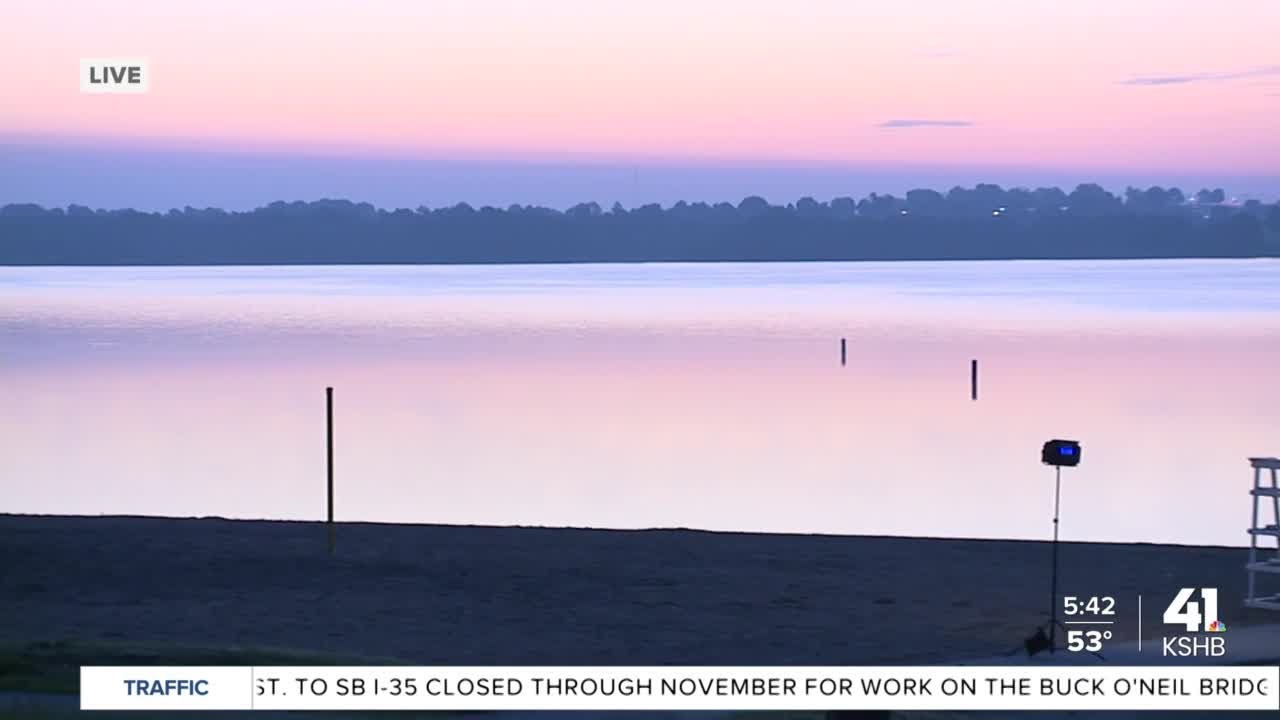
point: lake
(661, 395)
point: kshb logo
(1195, 616)
(114, 75)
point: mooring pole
(328, 402)
(973, 379)
(843, 352)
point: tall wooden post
(973, 379)
(328, 401)
(843, 352)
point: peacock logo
(1216, 626)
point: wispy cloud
(924, 123)
(939, 54)
(1202, 77)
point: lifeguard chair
(1264, 560)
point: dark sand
(481, 595)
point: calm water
(706, 396)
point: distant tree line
(983, 222)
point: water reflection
(704, 396)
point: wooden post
(843, 352)
(328, 401)
(973, 379)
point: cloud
(924, 123)
(1166, 80)
(1202, 77)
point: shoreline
(339, 524)
(624, 263)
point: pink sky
(1041, 83)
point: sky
(412, 102)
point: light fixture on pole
(1058, 454)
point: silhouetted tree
(1211, 197)
(963, 223)
(1154, 199)
(843, 208)
(1092, 199)
(880, 206)
(752, 206)
(926, 202)
(584, 210)
(807, 207)
(1050, 200)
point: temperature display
(1086, 640)
(1089, 621)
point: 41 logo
(1187, 612)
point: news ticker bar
(364, 688)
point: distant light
(903, 212)
(995, 213)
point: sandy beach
(490, 595)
